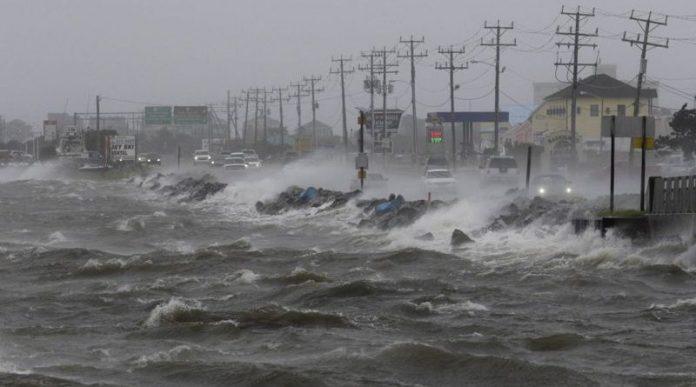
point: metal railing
(672, 195)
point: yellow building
(598, 95)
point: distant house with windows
(598, 95)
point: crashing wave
(176, 310)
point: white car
(501, 170)
(201, 157)
(253, 161)
(441, 181)
(235, 164)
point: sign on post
(637, 142)
(361, 161)
(123, 148)
(50, 130)
(158, 115)
(628, 126)
(190, 115)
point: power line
(313, 90)
(450, 53)
(647, 25)
(342, 71)
(499, 32)
(413, 55)
(576, 16)
(383, 68)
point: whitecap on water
(56, 237)
(688, 303)
(172, 310)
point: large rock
(297, 198)
(187, 190)
(459, 238)
(523, 211)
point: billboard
(158, 115)
(190, 115)
(123, 148)
(628, 126)
(393, 119)
(50, 130)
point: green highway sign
(190, 115)
(158, 115)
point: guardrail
(672, 195)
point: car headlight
(542, 190)
(569, 190)
(158, 159)
(148, 160)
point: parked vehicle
(550, 186)
(249, 152)
(201, 157)
(501, 170)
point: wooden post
(644, 122)
(529, 167)
(612, 170)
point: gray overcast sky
(190, 52)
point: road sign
(158, 115)
(361, 161)
(628, 126)
(123, 148)
(50, 129)
(435, 135)
(637, 142)
(190, 115)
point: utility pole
(298, 94)
(313, 90)
(229, 124)
(280, 110)
(265, 115)
(246, 117)
(342, 71)
(235, 120)
(99, 136)
(577, 16)
(647, 25)
(411, 53)
(450, 54)
(499, 32)
(256, 117)
(371, 84)
(383, 68)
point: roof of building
(602, 86)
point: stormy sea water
(112, 282)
